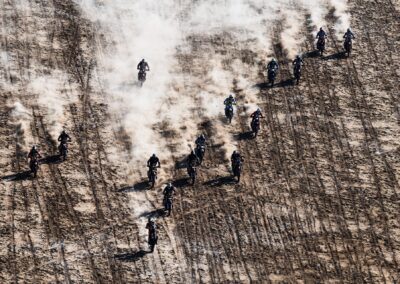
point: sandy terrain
(319, 197)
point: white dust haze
(163, 32)
(52, 98)
(22, 118)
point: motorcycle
(229, 113)
(141, 77)
(168, 204)
(192, 172)
(255, 125)
(271, 76)
(321, 46)
(237, 169)
(63, 150)
(297, 73)
(34, 166)
(348, 45)
(200, 151)
(153, 239)
(152, 175)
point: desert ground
(318, 201)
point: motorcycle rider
(152, 228)
(168, 192)
(256, 114)
(321, 35)
(192, 159)
(235, 159)
(298, 61)
(152, 162)
(229, 101)
(349, 35)
(33, 154)
(143, 66)
(201, 140)
(273, 65)
(63, 138)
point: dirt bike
(348, 45)
(192, 172)
(229, 113)
(63, 150)
(321, 46)
(141, 77)
(237, 169)
(255, 126)
(200, 151)
(271, 76)
(152, 175)
(297, 73)
(153, 239)
(168, 204)
(34, 166)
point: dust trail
(162, 31)
(342, 14)
(52, 98)
(22, 118)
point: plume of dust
(156, 30)
(52, 97)
(343, 22)
(22, 118)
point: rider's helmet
(154, 155)
(169, 184)
(63, 132)
(348, 30)
(320, 29)
(234, 152)
(202, 136)
(258, 111)
(297, 56)
(273, 59)
(230, 96)
(142, 59)
(33, 147)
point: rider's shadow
(243, 136)
(262, 86)
(153, 214)
(336, 56)
(140, 186)
(130, 257)
(220, 181)
(181, 164)
(311, 54)
(18, 176)
(54, 159)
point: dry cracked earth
(319, 197)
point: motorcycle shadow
(54, 159)
(244, 136)
(311, 54)
(182, 182)
(140, 186)
(153, 214)
(221, 181)
(281, 84)
(181, 164)
(336, 56)
(17, 177)
(130, 256)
